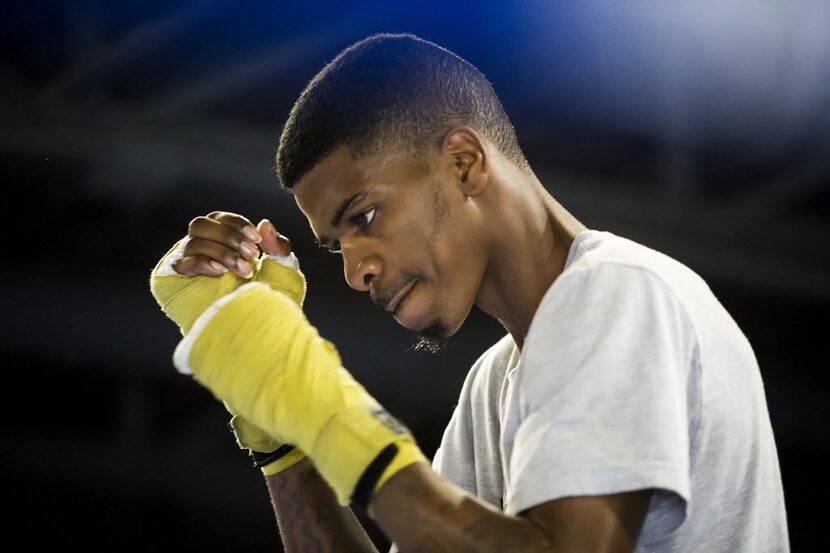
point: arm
(255, 350)
(185, 281)
(309, 517)
(424, 513)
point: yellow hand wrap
(255, 350)
(250, 436)
(184, 298)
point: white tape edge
(165, 267)
(289, 260)
(181, 357)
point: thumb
(273, 243)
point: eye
(364, 219)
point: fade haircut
(390, 91)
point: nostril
(367, 278)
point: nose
(360, 269)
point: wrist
(255, 350)
(291, 458)
(360, 449)
(269, 455)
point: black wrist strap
(261, 459)
(366, 485)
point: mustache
(383, 297)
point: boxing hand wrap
(255, 350)
(184, 298)
(269, 454)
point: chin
(439, 328)
(451, 325)
(426, 325)
(432, 338)
(428, 315)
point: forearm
(422, 512)
(309, 517)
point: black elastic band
(366, 485)
(262, 459)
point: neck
(528, 253)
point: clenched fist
(220, 253)
(224, 241)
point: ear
(468, 157)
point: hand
(224, 241)
(256, 351)
(184, 283)
(195, 272)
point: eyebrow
(338, 216)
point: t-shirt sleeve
(602, 393)
(469, 454)
(454, 459)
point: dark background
(698, 129)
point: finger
(273, 243)
(203, 251)
(238, 222)
(199, 265)
(205, 228)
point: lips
(400, 295)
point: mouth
(392, 306)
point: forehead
(339, 176)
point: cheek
(458, 269)
(456, 252)
(442, 247)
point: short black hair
(394, 89)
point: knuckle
(195, 223)
(180, 267)
(190, 246)
(240, 221)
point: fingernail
(218, 266)
(252, 235)
(248, 250)
(245, 268)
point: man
(624, 410)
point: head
(388, 151)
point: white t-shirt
(632, 376)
